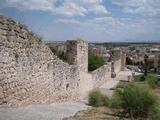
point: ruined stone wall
(101, 75)
(29, 72)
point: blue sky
(91, 20)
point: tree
(94, 61)
(60, 54)
(129, 61)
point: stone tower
(77, 54)
(123, 60)
(157, 54)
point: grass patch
(96, 99)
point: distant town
(134, 52)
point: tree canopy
(95, 61)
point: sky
(91, 20)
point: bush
(135, 100)
(116, 101)
(154, 114)
(151, 79)
(96, 99)
(94, 61)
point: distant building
(96, 51)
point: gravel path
(43, 112)
(110, 84)
(106, 88)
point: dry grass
(99, 113)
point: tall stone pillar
(77, 54)
(123, 61)
(117, 59)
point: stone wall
(30, 73)
(101, 75)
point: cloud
(70, 9)
(98, 9)
(44, 5)
(142, 21)
(110, 28)
(64, 7)
(147, 8)
(70, 21)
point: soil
(100, 113)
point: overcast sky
(92, 20)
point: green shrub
(96, 99)
(136, 100)
(116, 101)
(151, 79)
(154, 114)
(94, 61)
(139, 78)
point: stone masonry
(30, 73)
(157, 56)
(77, 54)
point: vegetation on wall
(95, 61)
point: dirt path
(43, 112)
